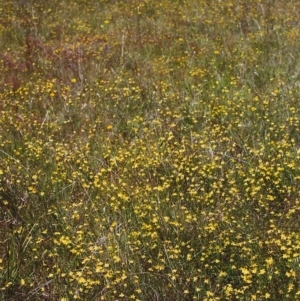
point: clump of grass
(149, 150)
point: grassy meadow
(149, 150)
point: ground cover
(149, 150)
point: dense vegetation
(149, 150)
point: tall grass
(149, 150)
